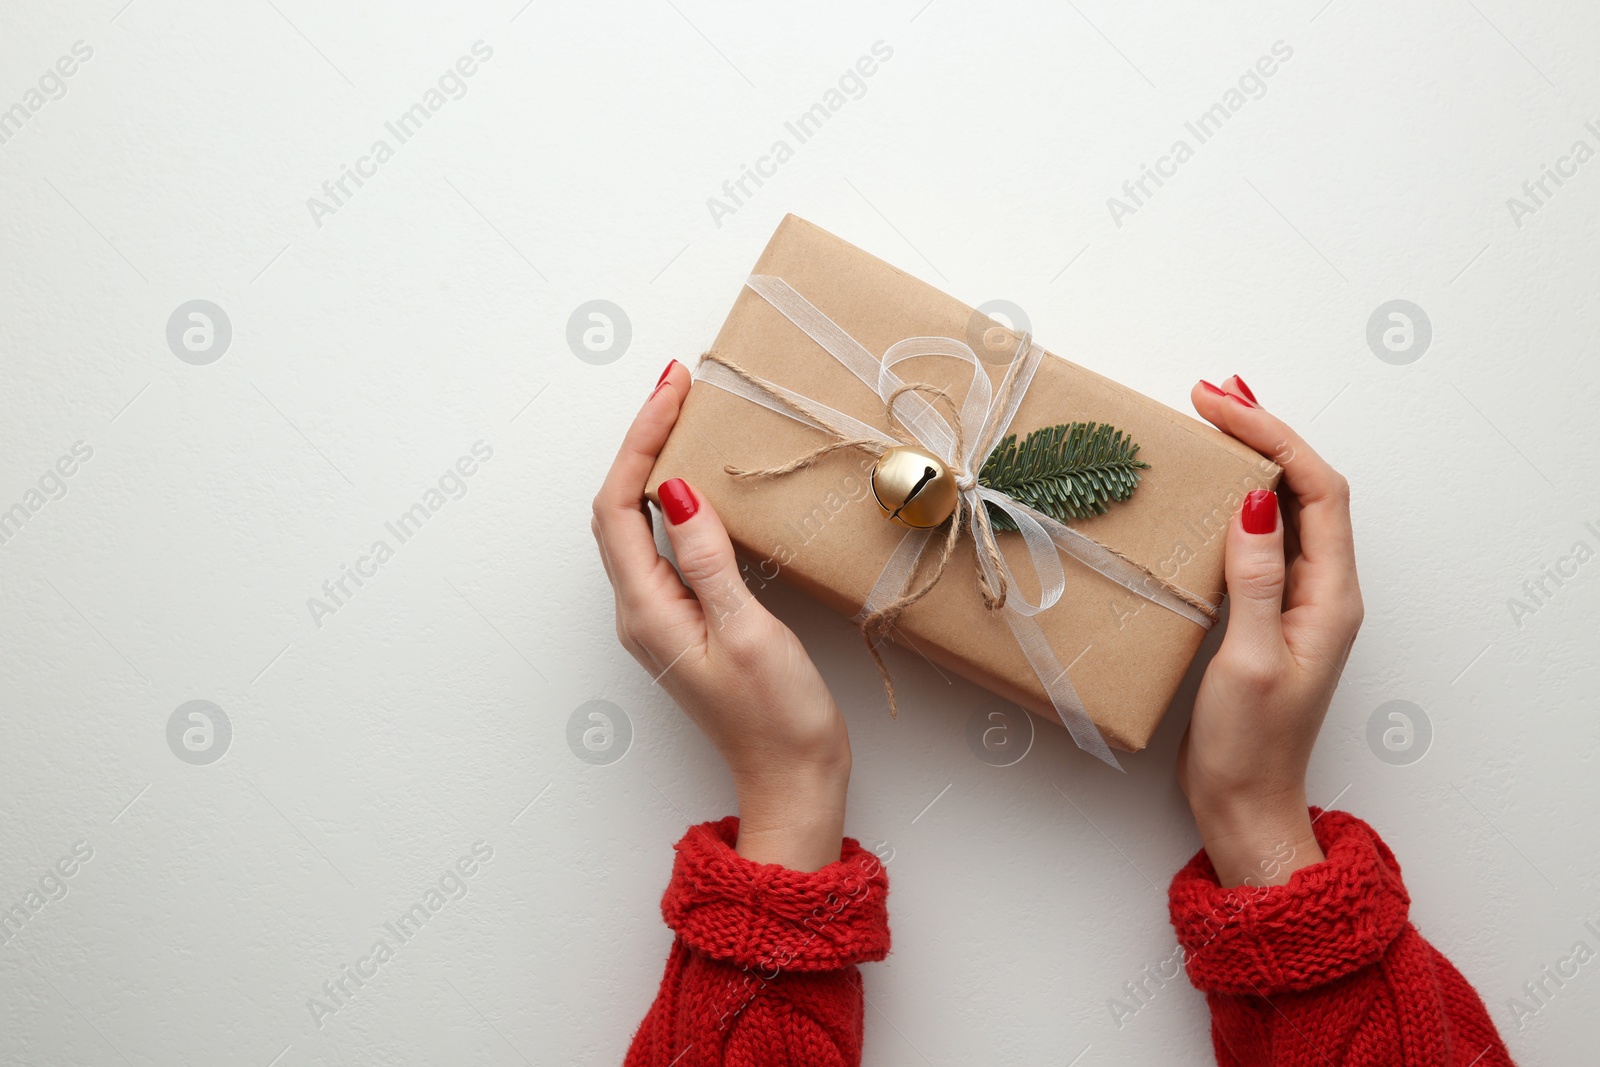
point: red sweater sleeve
(763, 968)
(1327, 971)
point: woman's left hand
(739, 673)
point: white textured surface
(424, 315)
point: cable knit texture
(1327, 971)
(763, 968)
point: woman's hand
(739, 673)
(1242, 763)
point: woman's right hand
(1292, 619)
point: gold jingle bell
(914, 487)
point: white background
(429, 312)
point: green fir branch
(1068, 471)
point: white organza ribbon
(1046, 539)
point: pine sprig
(1068, 471)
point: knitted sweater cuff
(1331, 919)
(768, 917)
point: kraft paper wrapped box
(820, 529)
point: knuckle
(1355, 611)
(627, 636)
(725, 603)
(1255, 672)
(739, 641)
(745, 642)
(636, 632)
(700, 563)
(1259, 581)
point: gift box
(821, 528)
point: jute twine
(876, 624)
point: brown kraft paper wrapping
(820, 529)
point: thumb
(1253, 564)
(705, 554)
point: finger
(1322, 496)
(1290, 509)
(1254, 568)
(705, 555)
(620, 523)
(1235, 385)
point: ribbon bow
(963, 447)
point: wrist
(1258, 839)
(793, 815)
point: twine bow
(963, 445)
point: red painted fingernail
(1260, 512)
(661, 381)
(1242, 400)
(677, 500)
(1245, 389)
(1211, 388)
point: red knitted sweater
(1325, 971)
